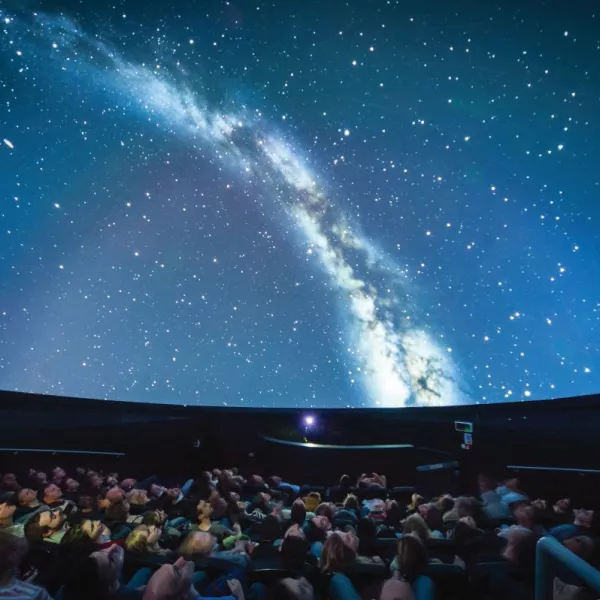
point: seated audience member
(410, 562)
(47, 526)
(88, 535)
(88, 507)
(98, 577)
(7, 512)
(372, 480)
(291, 588)
(53, 498)
(338, 553)
(581, 525)
(202, 545)
(9, 483)
(311, 501)
(94, 482)
(205, 511)
(39, 480)
(510, 486)
(270, 529)
(518, 582)
(58, 476)
(138, 501)
(326, 509)
(119, 521)
(366, 531)
(433, 518)
(463, 507)
(298, 512)
(337, 493)
(260, 506)
(416, 525)
(316, 529)
(28, 503)
(492, 505)
(294, 552)
(562, 511)
(115, 494)
(581, 545)
(175, 582)
(415, 501)
(12, 552)
(143, 541)
(127, 485)
(71, 489)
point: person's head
(298, 512)
(393, 512)
(170, 582)
(345, 482)
(581, 545)
(445, 503)
(137, 497)
(562, 506)
(464, 506)
(40, 478)
(127, 484)
(291, 588)
(270, 529)
(583, 517)
(416, 525)
(9, 482)
(411, 557)
(197, 544)
(294, 550)
(52, 493)
(261, 499)
(7, 510)
(415, 501)
(219, 508)
(326, 509)
(463, 531)
(72, 485)
(115, 494)
(525, 515)
(351, 502)
(27, 497)
(157, 490)
(94, 480)
(337, 554)
(58, 473)
(44, 524)
(204, 510)
(12, 551)
(117, 512)
(86, 503)
(366, 529)
(520, 549)
(143, 539)
(312, 500)
(256, 480)
(86, 533)
(154, 517)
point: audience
(152, 536)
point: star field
(309, 204)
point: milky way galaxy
(175, 234)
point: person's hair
(411, 557)
(393, 513)
(521, 550)
(366, 529)
(270, 529)
(77, 541)
(196, 544)
(462, 533)
(298, 513)
(345, 482)
(416, 524)
(293, 551)
(83, 581)
(34, 532)
(12, 550)
(137, 540)
(351, 502)
(415, 501)
(434, 518)
(153, 517)
(133, 497)
(116, 512)
(445, 503)
(326, 509)
(314, 533)
(337, 555)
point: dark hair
(280, 591)
(411, 557)
(76, 542)
(325, 509)
(298, 513)
(463, 533)
(337, 555)
(293, 552)
(270, 529)
(314, 533)
(34, 532)
(84, 581)
(116, 512)
(345, 482)
(151, 517)
(351, 502)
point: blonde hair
(135, 496)
(416, 525)
(337, 554)
(199, 543)
(138, 541)
(415, 502)
(312, 500)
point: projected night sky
(300, 204)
